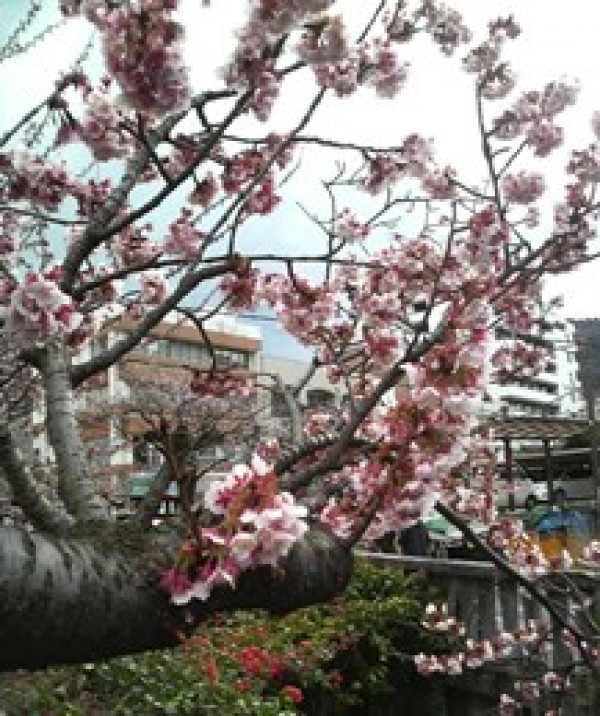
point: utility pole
(587, 338)
(591, 413)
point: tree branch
(75, 484)
(25, 494)
(530, 587)
(152, 499)
(82, 371)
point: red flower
(253, 660)
(335, 679)
(211, 670)
(241, 685)
(293, 693)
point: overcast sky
(559, 39)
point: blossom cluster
(133, 246)
(257, 526)
(183, 238)
(101, 127)
(433, 412)
(141, 49)
(349, 228)
(46, 184)
(475, 654)
(495, 78)
(253, 62)
(36, 308)
(414, 159)
(518, 359)
(243, 169)
(534, 115)
(43, 183)
(220, 384)
(323, 44)
(524, 187)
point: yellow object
(553, 543)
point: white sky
(559, 39)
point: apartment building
(556, 390)
(587, 337)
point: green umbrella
(438, 523)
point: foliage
(397, 288)
(330, 659)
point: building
(318, 394)
(122, 449)
(555, 391)
(587, 338)
(118, 447)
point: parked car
(527, 493)
(573, 486)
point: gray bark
(77, 600)
(23, 487)
(75, 485)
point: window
(191, 352)
(145, 454)
(231, 358)
(279, 408)
(319, 398)
(153, 348)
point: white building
(555, 391)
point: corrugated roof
(536, 428)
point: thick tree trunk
(75, 600)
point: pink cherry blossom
(153, 288)
(544, 137)
(39, 310)
(262, 525)
(205, 191)
(141, 50)
(184, 239)
(524, 187)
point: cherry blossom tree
(397, 299)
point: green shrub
(353, 655)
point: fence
(489, 601)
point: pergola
(543, 429)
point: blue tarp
(562, 520)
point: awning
(526, 428)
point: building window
(279, 408)
(319, 398)
(145, 455)
(188, 352)
(231, 358)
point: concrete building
(318, 392)
(555, 391)
(124, 456)
(587, 337)
(173, 350)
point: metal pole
(548, 466)
(508, 459)
(591, 411)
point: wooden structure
(488, 601)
